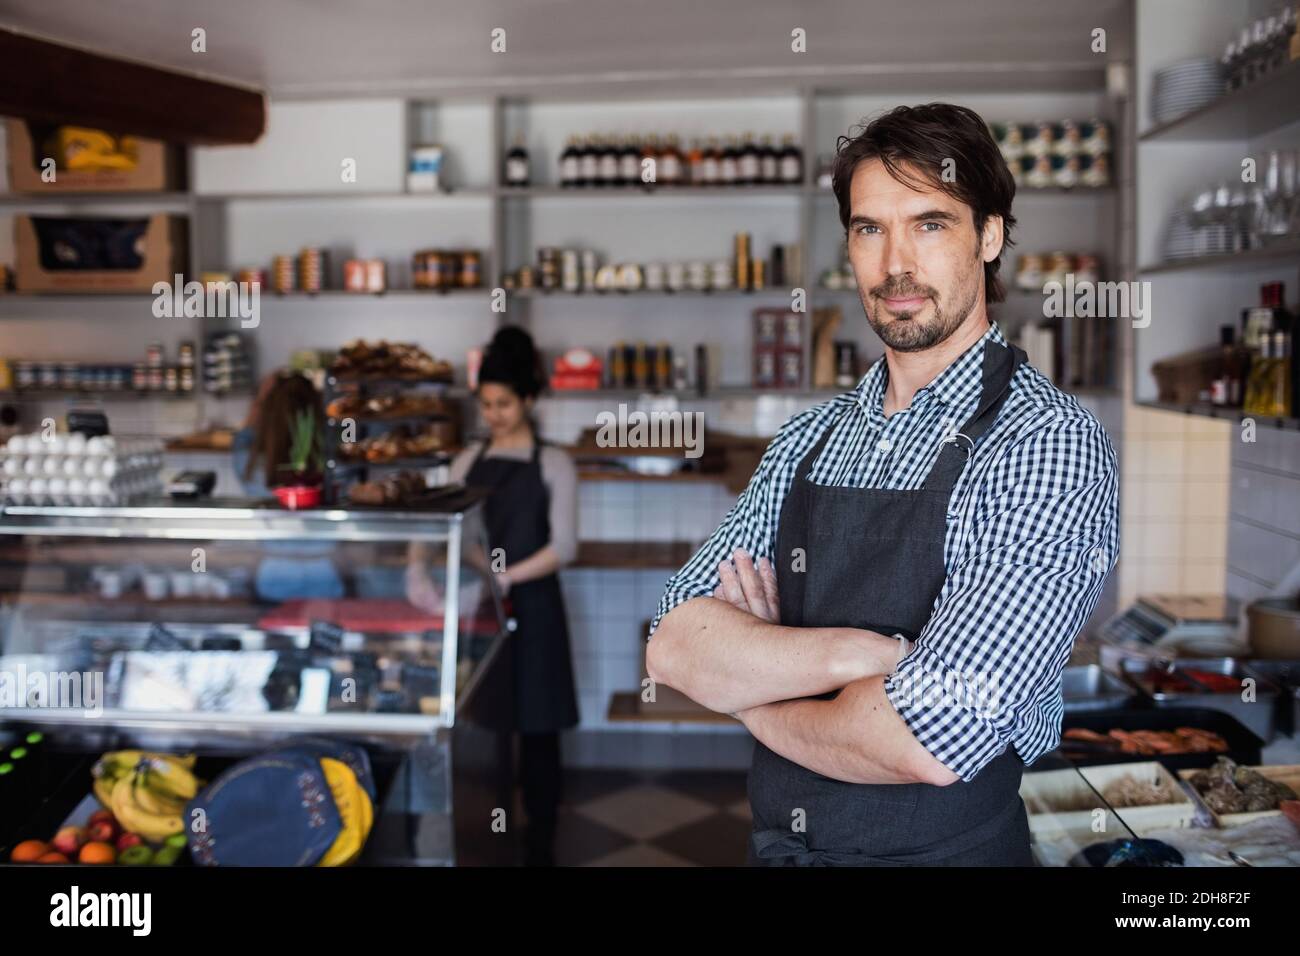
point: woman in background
(531, 516)
(260, 453)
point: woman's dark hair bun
(512, 359)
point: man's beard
(904, 332)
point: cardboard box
(158, 167)
(162, 247)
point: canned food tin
(354, 275)
(284, 273)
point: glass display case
(225, 628)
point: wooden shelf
(670, 706)
(1260, 108)
(40, 201)
(471, 192)
(633, 555)
(1206, 410)
(1255, 258)
(652, 192)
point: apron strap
(1000, 363)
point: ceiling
(317, 48)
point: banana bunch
(146, 791)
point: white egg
(56, 444)
(76, 487)
(32, 467)
(36, 489)
(13, 465)
(57, 488)
(90, 466)
(52, 465)
(76, 444)
(109, 467)
(71, 466)
(95, 445)
(34, 445)
(16, 488)
(17, 444)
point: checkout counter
(150, 614)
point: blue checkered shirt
(1032, 533)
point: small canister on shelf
(285, 276)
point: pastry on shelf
(383, 359)
(402, 442)
(388, 406)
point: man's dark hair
(922, 138)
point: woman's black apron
(874, 558)
(518, 521)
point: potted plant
(302, 485)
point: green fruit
(137, 855)
(176, 839)
(168, 855)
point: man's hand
(750, 588)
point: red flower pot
(298, 496)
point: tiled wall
(1174, 504)
(1264, 515)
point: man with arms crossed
(929, 544)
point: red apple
(102, 815)
(69, 840)
(128, 839)
(101, 832)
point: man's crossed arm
(727, 653)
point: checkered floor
(674, 818)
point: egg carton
(75, 470)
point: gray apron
(874, 559)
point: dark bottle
(694, 172)
(629, 163)
(768, 171)
(710, 162)
(791, 161)
(668, 168)
(569, 169)
(609, 156)
(516, 166)
(588, 163)
(748, 170)
(727, 171)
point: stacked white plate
(1184, 87)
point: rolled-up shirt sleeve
(987, 666)
(751, 522)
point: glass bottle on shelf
(693, 174)
(747, 164)
(588, 163)
(709, 164)
(728, 173)
(670, 163)
(629, 162)
(609, 155)
(1283, 400)
(516, 166)
(768, 171)
(791, 161)
(569, 170)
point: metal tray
(1256, 715)
(1243, 744)
(1089, 687)
(1286, 675)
